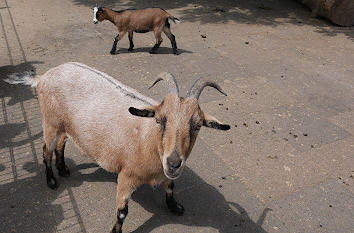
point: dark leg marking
(131, 44)
(63, 170)
(114, 46)
(174, 44)
(121, 215)
(170, 36)
(155, 48)
(172, 204)
(47, 160)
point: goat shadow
(250, 12)
(204, 206)
(32, 207)
(161, 50)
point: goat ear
(212, 122)
(142, 112)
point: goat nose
(174, 161)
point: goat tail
(175, 20)
(26, 78)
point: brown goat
(145, 141)
(140, 21)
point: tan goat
(125, 132)
(140, 21)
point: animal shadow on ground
(204, 206)
(161, 50)
(28, 205)
(253, 12)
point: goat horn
(198, 86)
(171, 82)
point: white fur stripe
(119, 86)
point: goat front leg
(114, 46)
(116, 39)
(172, 204)
(125, 188)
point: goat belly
(143, 31)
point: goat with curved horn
(171, 82)
(198, 86)
(145, 141)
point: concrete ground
(286, 165)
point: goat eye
(197, 127)
(158, 121)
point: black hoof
(112, 52)
(153, 52)
(114, 230)
(177, 209)
(52, 183)
(130, 49)
(64, 171)
(175, 53)
(174, 206)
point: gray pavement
(286, 165)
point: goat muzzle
(173, 166)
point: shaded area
(9, 131)
(205, 207)
(33, 207)
(18, 93)
(28, 205)
(161, 50)
(264, 12)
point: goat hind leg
(172, 204)
(131, 44)
(47, 160)
(50, 137)
(63, 170)
(172, 38)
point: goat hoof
(179, 209)
(130, 49)
(114, 230)
(52, 183)
(152, 52)
(112, 52)
(64, 171)
(176, 208)
(175, 53)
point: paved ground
(287, 164)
